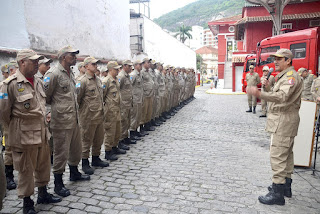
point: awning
(284, 17)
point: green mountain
(200, 13)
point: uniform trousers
(135, 116)
(66, 148)
(33, 166)
(91, 136)
(154, 107)
(147, 109)
(125, 122)
(281, 158)
(263, 107)
(252, 100)
(111, 134)
(7, 153)
(3, 185)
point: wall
(255, 32)
(161, 46)
(97, 27)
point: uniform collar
(279, 75)
(22, 78)
(89, 76)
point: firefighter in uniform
(82, 70)
(315, 90)
(307, 79)
(112, 117)
(252, 79)
(137, 99)
(59, 86)
(22, 112)
(162, 90)
(126, 105)
(284, 101)
(89, 98)
(11, 69)
(148, 96)
(265, 71)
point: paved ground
(212, 157)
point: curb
(232, 93)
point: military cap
(137, 62)
(12, 63)
(127, 62)
(166, 67)
(4, 68)
(146, 59)
(45, 60)
(89, 60)
(28, 54)
(113, 64)
(265, 68)
(301, 70)
(80, 65)
(283, 53)
(67, 49)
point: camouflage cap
(103, 69)
(67, 49)
(45, 60)
(153, 62)
(89, 60)
(127, 62)
(283, 53)
(166, 67)
(28, 54)
(12, 63)
(80, 65)
(113, 64)
(137, 62)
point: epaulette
(81, 77)
(10, 78)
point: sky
(160, 7)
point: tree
(199, 61)
(184, 33)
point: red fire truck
(304, 44)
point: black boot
(166, 115)
(250, 109)
(154, 123)
(157, 121)
(161, 118)
(59, 187)
(118, 151)
(138, 134)
(96, 161)
(254, 110)
(45, 198)
(123, 146)
(148, 127)
(28, 206)
(263, 115)
(275, 196)
(287, 188)
(143, 131)
(109, 155)
(75, 175)
(129, 141)
(86, 167)
(133, 136)
(9, 177)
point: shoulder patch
(119, 80)
(291, 80)
(104, 86)
(131, 77)
(289, 73)
(3, 96)
(46, 79)
(78, 85)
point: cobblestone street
(211, 157)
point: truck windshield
(265, 54)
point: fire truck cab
(304, 44)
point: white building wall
(97, 27)
(161, 46)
